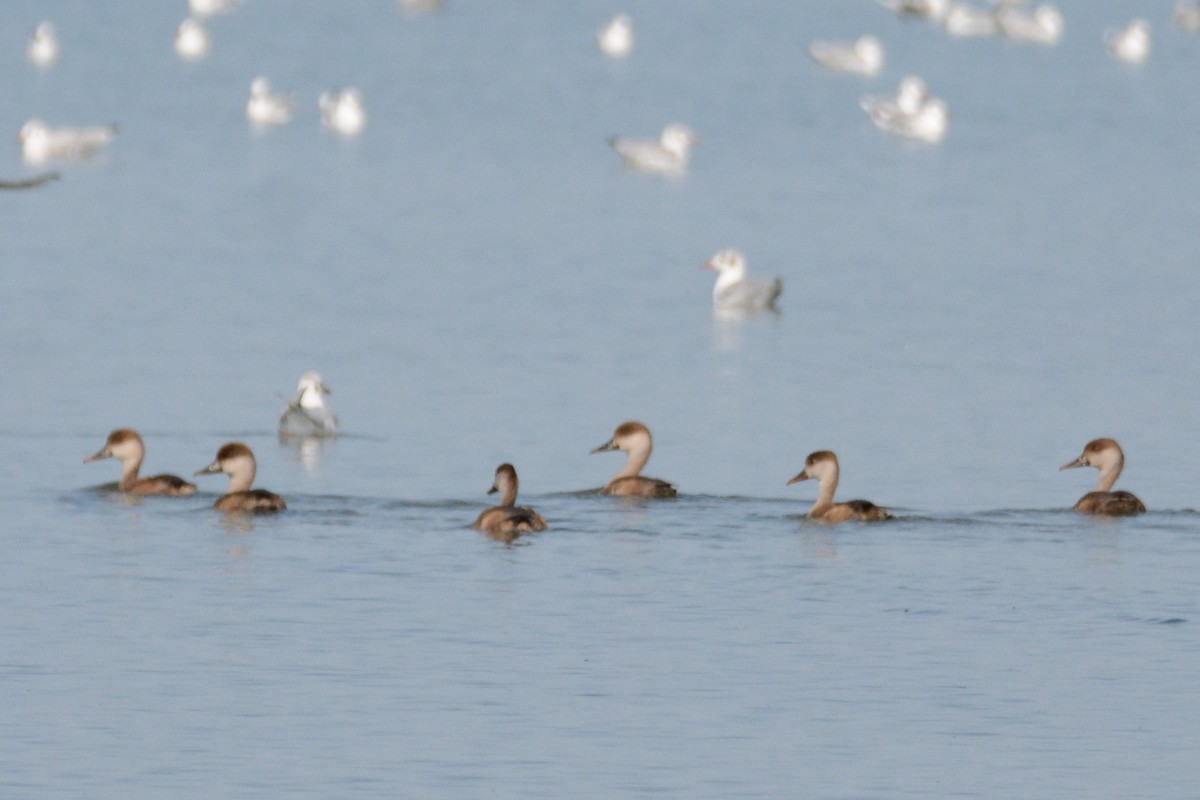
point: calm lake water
(480, 281)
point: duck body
(635, 439)
(126, 445)
(508, 520)
(237, 461)
(1107, 456)
(823, 467)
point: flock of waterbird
(307, 415)
(911, 113)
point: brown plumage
(823, 466)
(237, 461)
(507, 521)
(126, 445)
(635, 439)
(1107, 456)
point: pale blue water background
(480, 281)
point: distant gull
(912, 114)
(1131, 44)
(264, 108)
(616, 38)
(306, 414)
(967, 21)
(1044, 25)
(209, 8)
(668, 154)
(863, 56)
(40, 142)
(43, 46)
(192, 41)
(342, 111)
(734, 291)
(1187, 16)
(932, 10)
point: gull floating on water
(1131, 44)
(40, 142)
(209, 8)
(192, 41)
(342, 111)
(43, 46)
(264, 108)
(668, 154)
(863, 56)
(733, 291)
(307, 414)
(1187, 16)
(932, 10)
(616, 38)
(967, 21)
(1044, 25)
(912, 114)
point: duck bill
(803, 476)
(1079, 462)
(611, 444)
(103, 452)
(209, 470)
(493, 490)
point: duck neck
(638, 456)
(508, 495)
(1109, 475)
(241, 478)
(827, 486)
(129, 471)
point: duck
(667, 155)
(635, 439)
(733, 290)
(126, 445)
(508, 520)
(1107, 456)
(342, 111)
(1132, 43)
(264, 108)
(237, 461)
(40, 142)
(1044, 25)
(913, 114)
(43, 46)
(863, 56)
(307, 414)
(615, 39)
(192, 41)
(822, 466)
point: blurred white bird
(43, 46)
(264, 108)
(1044, 25)
(342, 111)
(734, 291)
(863, 56)
(964, 21)
(668, 154)
(40, 142)
(1187, 16)
(306, 414)
(932, 10)
(192, 41)
(616, 38)
(911, 114)
(1131, 44)
(208, 8)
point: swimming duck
(237, 461)
(733, 290)
(823, 467)
(508, 520)
(863, 56)
(43, 46)
(667, 155)
(1105, 455)
(615, 39)
(1130, 44)
(342, 111)
(192, 41)
(264, 108)
(40, 142)
(126, 445)
(307, 414)
(635, 439)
